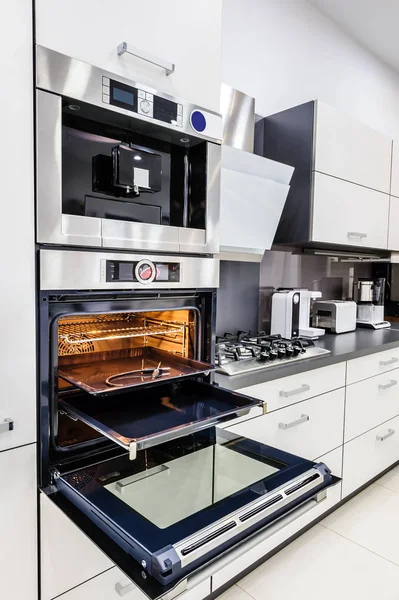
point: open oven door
(172, 515)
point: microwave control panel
(143, 271)
(141, 102)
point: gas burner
(245, 351)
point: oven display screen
(125, 271)
(123, 96)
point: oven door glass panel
(183, 502)
(141, 418)
(119, 168)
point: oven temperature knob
(145, 107)
(145, 271)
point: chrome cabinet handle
(123, 590)
(357, 234)
(391, 361)
(386, 386)
(303, 419)
(382, 438)
(154, 60)
(6, 425)
(303, 388)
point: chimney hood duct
(253, 189)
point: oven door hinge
(54, 476)
(264, 408)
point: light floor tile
(323, 564)
(371, 520)
(234, 593)
(390, 480)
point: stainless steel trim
(302, 419)
(82, 270)
(387, 363)
(238, 118)
(304, 388)
(6, 425)
(386, 386)
(154, 60)
(249, 522)
(76, 79)
(355, 234)
(382, 438)
(123, 590)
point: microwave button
(141, 94)
(149, 97)
(180, 121)
(179, 109)
(106, 81)
(106, 98)
(145, 107)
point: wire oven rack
(80, 333)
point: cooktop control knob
(145, 107)
(145, 271)
(198, 121)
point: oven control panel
(141, 102)
(143, 271)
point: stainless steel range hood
(253, 190)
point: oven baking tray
(145, 417)
(92, 376)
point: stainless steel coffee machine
(369, 295)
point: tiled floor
(352, 555)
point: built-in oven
(131, 424)
(121, 165)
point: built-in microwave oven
(121, 165)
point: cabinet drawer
(371, 402)
(81, 559)
(369, 454)
(308, 429)
(349, 214)
(113, 584)
(286, 391)
(351, 150)
(374, 364)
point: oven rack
(79, 333)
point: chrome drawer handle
(356, 234)
(303, 388)
(123, 590)
(150, 58)
(391, 361)
(303, 419)
(382, 438)
(386, 386)
(6, 425)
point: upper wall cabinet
(341, 184)
(161, 31)
(395, 169)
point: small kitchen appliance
(338, 316)
(370, 296)
(291, 314)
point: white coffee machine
(370, 295)
(291, 314)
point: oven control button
(198, 121)
(145, 271)
(145, 107)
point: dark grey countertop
(344, 346)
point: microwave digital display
(123, 95)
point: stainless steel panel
(52, 226)
(238, 118)
(139, 236)
(75, 79)
(80, 270)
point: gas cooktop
(243, 352)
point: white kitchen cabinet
(18, 531)
(393, 228)
(369, 454)
(349, 214)
(295, 388)
(113, 584)
(17, 265)
(60, 537)
(371, 402)
(373, 364)
(308, 429)
(395, 169)
(187, 35)
(349, 149)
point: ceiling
(372, 23)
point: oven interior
(99, 344)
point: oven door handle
(6, 425)
(150, 58)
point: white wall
(285, 52)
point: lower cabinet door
(18, 530)
(369, 454)
(60, 537)
(113, 585)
